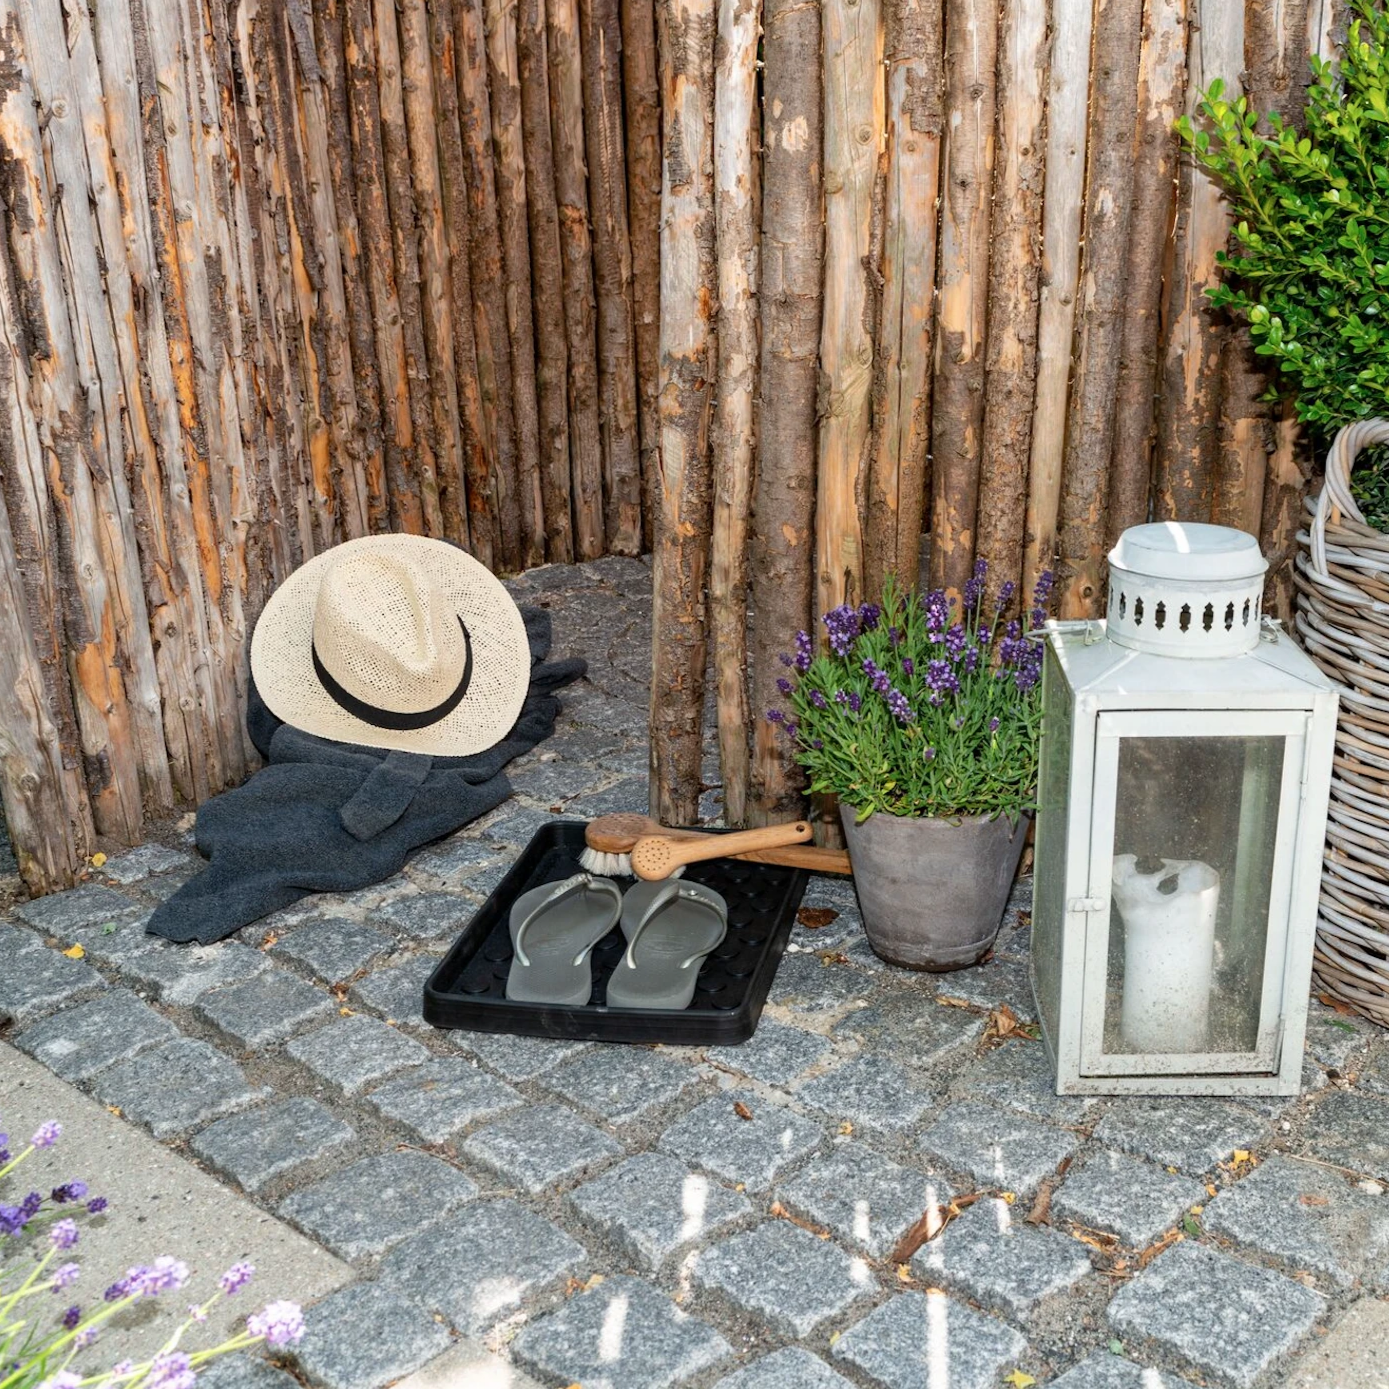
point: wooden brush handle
(656, 857)
(807, 856)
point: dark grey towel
(333, 817)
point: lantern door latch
(1087, 904)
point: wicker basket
(1343, 622)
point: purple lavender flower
(785, 660)
(842, 625)
(47, 1134)
(941, 677)
(993, 725)
(69, 1191)
(1045, 582)
(818, 700)
(850, 699)
(86, 1337)
(171, 1370)
(1005, 595)
(792, 731)
(11, 1220)
(818, 744)
(281, 1323)
(937, 608)
(971, 660)
(869, 616)
(64, 1379)
(908, 667)
(956, 640)
(974, 586)
(122, 1367)
(65, 1276)
(236, 1277)
(784, 685)
(877, 677)
(894, 635)
(804, 652)
(897, 705)
(30, 1206)
(4, 1151)
(775, 716)
(64, 1234)
(96, 1205)
(196, 1313)
(71, 1317)
(119, 1289)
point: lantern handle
(1335, 493)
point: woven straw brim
(282, 655)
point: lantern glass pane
(1196, 825)
(1049, 892)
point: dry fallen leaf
(832, 957)
(1330, 1001)
(780, 1211)
(1153, 1250)
(1240, 1155)
(1019, 1380)
(741, 1110)
(813, 918)
(1040, 1213)
(97, 860)
(271, 939)
(950, 1002)
(1310, 1198)
(75, 953)
(846, 1128)
(904, 1273)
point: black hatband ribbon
(389, 718)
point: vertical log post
(782, 554)
(957, 416)
(735, 214)
(688, 296)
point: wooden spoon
(657, 856)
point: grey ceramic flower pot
(933, 891)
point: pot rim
(845, 809)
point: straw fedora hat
(394, 641)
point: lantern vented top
(1185, 589)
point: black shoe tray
(468, 987)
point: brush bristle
(612, 865)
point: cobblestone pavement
(643, 1217)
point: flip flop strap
(580, 882)
(672, 892)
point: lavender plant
(920, 708)
(42, 1332)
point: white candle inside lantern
(1169, 952)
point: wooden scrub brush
(612, 839)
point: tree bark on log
(601, 34)
(1189, 406)
(1099, 334)
(734, 440)
(547, 281)
(688, 364)
(1063, 201)
(1161, 88)
(957, 416)
(571, 193)
(479, 447)
(1011, 355)
(903, 359)
(641, 93)
(853, 124)
(782, 553)
(491, 334)
(504, 78)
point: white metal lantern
(1185, 766)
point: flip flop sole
(683, 929)
(554, 940)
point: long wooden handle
(655, 857)
(807, 856)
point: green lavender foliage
(1308, 268)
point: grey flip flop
(553, 929)
(670, 928)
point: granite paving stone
(792, 1368)
(928, 1340)
(366, 1336)
(34, 979)
(755, 1151)
(554, 783)
(1336, 1042)
(352, 1053)
(1192, 1135)
(805, 984)
(266, 1008)
(623, 1334)
(182, 974)
(1125, 1196)
(61, 913)
(997, 1147)
(175, 1087)
(443, 1097)
(368, 1207)
(119, 942)
(1306, 1215)
(784, 1276)
(425, 915)
(989, 985)
(620, 1083)
(1351, 1130)
(477, 1268)
(335, 949)
(1104, 1370)
(396, 991)
(245, 1371)
(775, 1054)
(518, 1058)
(257, 1147)
(1018, 1075)
(1221, 1315)
(862, 1199)
(999, 1261)
(912, 1026)
(80, 1041)
(452, 860)
(513, 826)
(628, 797)
(135, 865)
(539, 1146)
(652, 1207)
(871, 1091)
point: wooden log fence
(793, 297)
